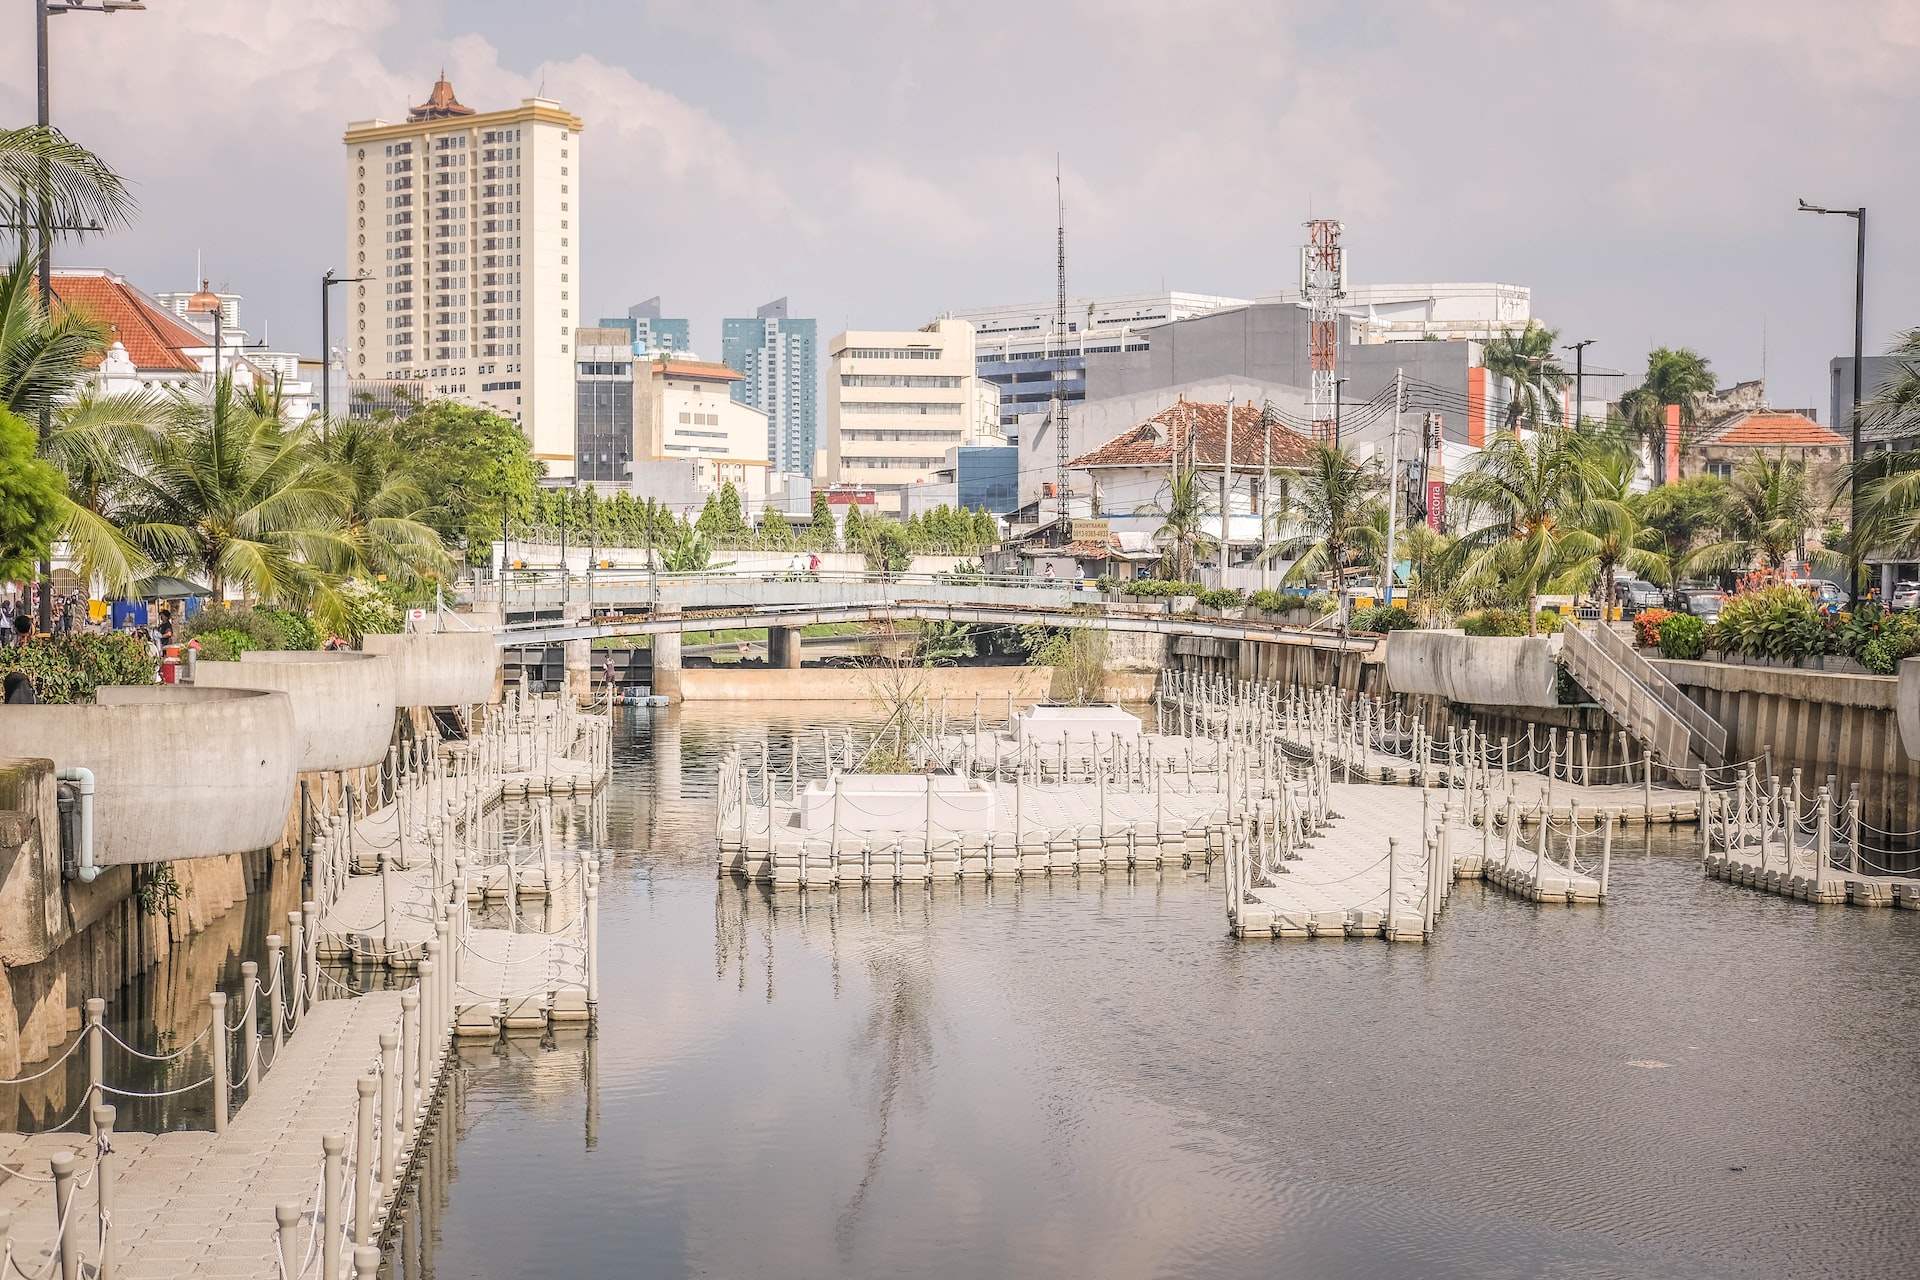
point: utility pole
(1859, 217)
(1063, 454)
(1266, 484)
(1226, 499)
(1579, 350)
(1337, 384)
(1393, 478)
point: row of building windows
(904, 406)
(603, 368)
(912, 437)
(701, 419)
(887, 353)
(889, 464)
(500, 386)
(899, 380)
(705, 435)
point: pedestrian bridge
(604, 605)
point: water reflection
(1085, 1076)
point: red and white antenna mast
(1323, 282)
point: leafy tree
(1331, 509)
(1889, 479)
(32, 498)
(82, 190)
(43, 359)
(775, 533)
(1766, 512)
(382, 504)
(1683, 513)
(1532, 486)
(472, 466)
(238, 498)
(1528, 360)
(1184, 504)
(823, 536)
(1608, 514)
(941, 644)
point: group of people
(16, 617)
(804, 565)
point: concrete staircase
(1651, 706)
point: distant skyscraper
(461, 224)
(649, 334)
(777, 360)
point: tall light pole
(1579, 350)
(327, 282)
(42, 10)
(1859, 217)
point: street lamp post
(1859, 217)
(327, 282)
(42, 10)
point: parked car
(1633, 595)
(1702, 604)
(1906, 595)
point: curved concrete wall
(178, 772)
(439, 668)
(1497, 671)
(1909, 706)
(342, 702)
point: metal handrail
(1628, 700)
(1712, 733)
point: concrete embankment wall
(1818, 721)
(1284, 660)
(64, 941)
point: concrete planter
(1501, 671)
(178, 772)
(440, 668)
(1908, 706)
(342, 702)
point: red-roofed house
(147, 343)
(684, 409)
(1132, 472)
(1721, 448)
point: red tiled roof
(1771, 430)
(699, 369)
(154, 337)
(1151, 444)
(440, 104)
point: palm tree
(1183, 506)
(1766, 513)
(238, 497)
(1675, 376)
(1332, 512)
(1610, 514)
(94, 441)
(382, 505)
(1889, 479)
(80, 189)
(43, 360)
(1533, 486)
(1527, 360)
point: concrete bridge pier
(666, 656)
(579, 657)
(783, 648)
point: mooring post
(366, 1088)
(296, 968)
(69, 1237)
(1823, 842)
(217, 1002)
(250, 1030)
(1512, 824)
(1606, 850)
(310, 915)
(389, 1109)
(1393, 886)
(428, 1019)
(332, 1198)
(286, 1216)
(593, 946)
(276, 968)
(103, 1117)
(96, 1054)
(409, 1062)
(366, 1262)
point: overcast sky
(1636, 162)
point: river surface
(1088, 1077)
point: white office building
(467, 226)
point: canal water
(1088, 1077)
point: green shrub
(1269, 601)
(1682, 636)
(1382, 618)
(1495, 622)
(296, 629)
(68, 668)
(1552, 622)
(370, 611)
(1880, 640)
(1775, 622)
(1221, 597)
(1160, 587)
(227, 631)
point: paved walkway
(200, 1204)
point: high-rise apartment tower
(777, 357)
(467, 226)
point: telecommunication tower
(1062, 452)
(1323, 282)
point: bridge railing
(551, 588)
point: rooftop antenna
(1062, 453)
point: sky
(1635, 162)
